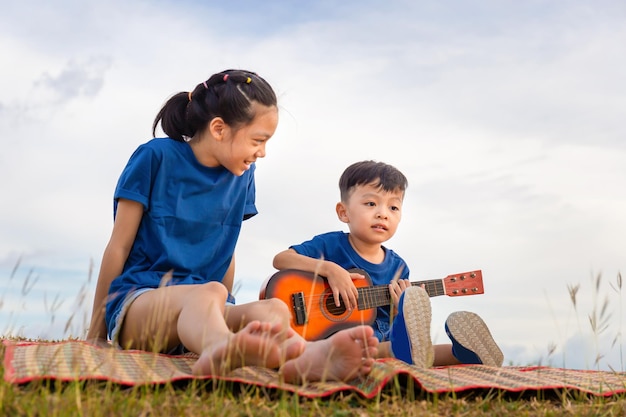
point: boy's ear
(342, 213)
(217, 127)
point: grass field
(226, 399)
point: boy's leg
(193, 315)
(384, 350)
(472, 342)
(410, 332)
(444, 356)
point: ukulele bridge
(299, 309)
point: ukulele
(311, 303)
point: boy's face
(371, 213)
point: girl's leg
(273, 311)
(345, 355)
(193, 315)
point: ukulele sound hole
(330, 310)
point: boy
(371, 205)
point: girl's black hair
(384, 176)
(228, 94)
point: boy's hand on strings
(396, 287)
(340, 282)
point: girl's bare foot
(256, 344)
(343, 356)
(293, 346)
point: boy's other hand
(396, 288)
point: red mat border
(267, 378)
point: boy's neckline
(376, 259)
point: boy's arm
(125, 228)
(339, 280)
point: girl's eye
(394, 208)
(370, 204)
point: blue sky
(506, 117)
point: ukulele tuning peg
(462, 277)
(455, 292)
(472, 275)
(464, 290)
(475, 289)
(453, 279)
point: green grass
(195, 398)
(203, 398)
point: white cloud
(506, 118)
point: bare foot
(293, 346)
(343, 356)
(256, 344)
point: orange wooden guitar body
(312, 306)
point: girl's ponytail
(229, 94)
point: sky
(506, 117)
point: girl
(168, 269)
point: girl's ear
(342, 213)
(217, 128)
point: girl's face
(372, 214)
(240, 148)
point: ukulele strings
(369, 297)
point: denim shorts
(114, 326)
(381, 330)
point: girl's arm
(339, 280)
(125, 228)
(229, 277)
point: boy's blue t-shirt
(191, 221)
(335, 247)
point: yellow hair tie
(248, 80)
(189, 95)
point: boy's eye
(395, 208)
(370, 203)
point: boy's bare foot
(257, 343)
(343, 356)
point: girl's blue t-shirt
(191, 221)
(335, 247)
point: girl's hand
(340, 282)
(396, 288)
(100, 342)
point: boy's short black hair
(382, 175)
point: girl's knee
(277, 307)
(213, 290)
